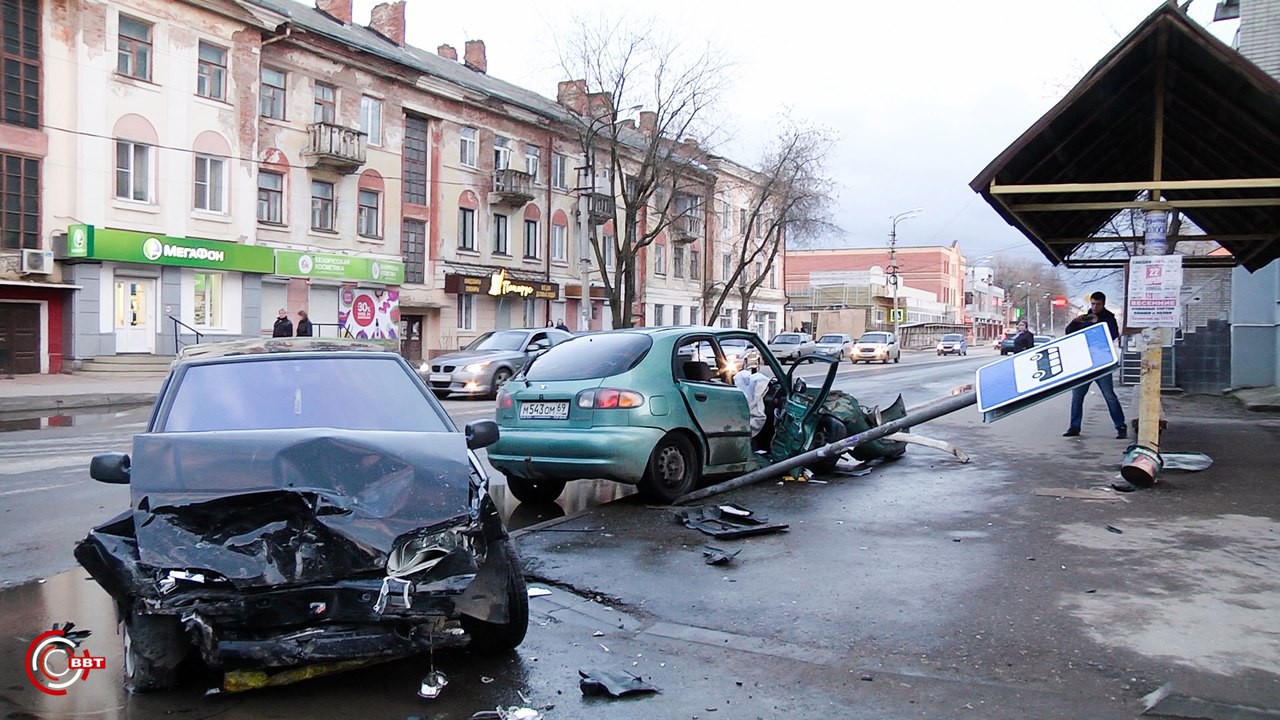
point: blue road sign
(1019, 381)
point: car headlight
(476, 367)
(424, 367)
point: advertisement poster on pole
(1155, 290)
(370, 315)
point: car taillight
(609, 399)
(505, 401)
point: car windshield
(499, 340)
(590, 356)
(952, 338)
(360, 393)
(876, 337)
(788, 339)
(734, 345)
(831, 339)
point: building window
(467, 146)
(466, 311)
(677, 261)
(695, 266)
(742, 221)
(726, 216)
(19, 202)
(726, 266)
(371, 119)
(207, 305)
(211, 72)
(133, 171)
(773, 276)
(559, 242)
(532, 159)
(367, 214)
(416, 142)
(501, 244)
(531, 239)
(659, 259)
(271, 96)
(210, 194)
(659, 312)
(501, 153)
(530, 312)
(324, 106)
(726, 318)
(321, 205)
(759, 271)
(559, 171)
(133, 48)
(677, 314)
(413, 246)
(693, 315)
(270, 197)
(466, 229)
(607, 242)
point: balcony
(688, 228)
(512, 187)
(600, 207)
(335, 147)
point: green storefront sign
(292, 263)
(86, 242)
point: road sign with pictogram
(1019, 381)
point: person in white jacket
(754, 385)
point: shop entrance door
(19, 338)
(135, 315)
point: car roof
(204, 352)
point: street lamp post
(893, 262)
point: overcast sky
(922, 93)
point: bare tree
(657, 168)
(789, 200)
(1031, 285)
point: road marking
(37, 489)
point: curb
(73, 402)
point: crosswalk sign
(1026, 378)
(898, 315)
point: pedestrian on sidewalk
(283, 326)
(1098, 312)
(304, 324)
(1023, 340)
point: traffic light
(1017, 313)
(1059, 302)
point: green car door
(718, 408)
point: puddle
(69, 418)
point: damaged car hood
(279, 507)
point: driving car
(660, 408)
(791, 346)
(834, 345)
(481, 368)
(298, 502)
(882, 346)
(1006, 342)
(1042, 339)
(953, 343)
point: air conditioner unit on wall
(37, 262)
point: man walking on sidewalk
(1098, 312)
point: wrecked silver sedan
(301, 505)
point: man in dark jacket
(1098, 312)
(283, 326)
(1023, 340)
(304, 324)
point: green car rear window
(590, 356)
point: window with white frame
(677, 261)
(133, 48)
(210, 193)
(559, 242)
(726, 318)
(466, 311)
(693, 315)
(371, 119)
(726, 216)
(211, 72)
(530, 312)
(322, 205)
(559, 171)
(368, 214)
(532, 160)
(659, 259)
(270, 197)
(324, 104)
(742, 221)
(773, 276)
(531, 239)
(759, 271)
(659, 315)
(271, 94)
(607, 248)
(677, 314)
(467, 146)
(466, 229)
(726, 266)
(695, 266)
(133, 171)
(501, 241)
(501, 153)
(206, 306)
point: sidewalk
(55, 393)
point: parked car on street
(661, 408)
(882, 346)
(481, 368)
(791, 346)
(953, 344)
(1042, 339)
(741, 353)
(835, 345)
(301, 501)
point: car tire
(500, 378)
(830, 429)
(672, 470)
(487, 637)
(897, 358)
(154, 648)
(534, 491)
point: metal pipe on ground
(924, 414)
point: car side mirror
(481, 434)
(112, 467)
(799, 386)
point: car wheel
(897, 358)
(672, 471)
(535, 491)
(500, 378)
(154, 648)
(885, 361)
(830, 430)
(487, 637)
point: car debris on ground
(613, 683)
(727, 520)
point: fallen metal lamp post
(929, 412)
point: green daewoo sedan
(659, 408)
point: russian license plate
(441, 377)
(544, 410)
